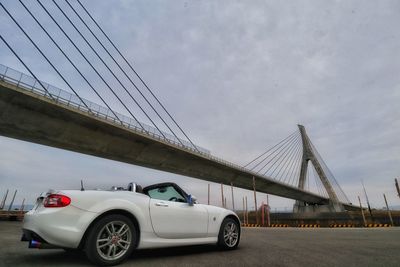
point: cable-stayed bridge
(35, 111)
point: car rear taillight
(56, 201)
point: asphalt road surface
(258, 247)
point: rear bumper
(35, 241)
(61, 227)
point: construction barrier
(279, 225)
(368, 225)
(250, 225)
(309, 226)
(378, 225)
(342, 225)
(371, 225)
(258, 225)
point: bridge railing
(60, 96)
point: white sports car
(109, 225)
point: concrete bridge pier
(303, 207)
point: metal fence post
(208, 202)
(222, 195)
(244, 213)
(255, 199)
(12, 201)
(3, 203)
(362, 212)
(388, 210)
(233, 199)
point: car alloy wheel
(113, 240)
(229, 234)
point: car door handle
(161, 204)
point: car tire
(229, 234)
(111, 240)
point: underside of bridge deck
(33, 118)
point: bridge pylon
(309, 156)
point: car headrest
(139, 189)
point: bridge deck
(30, 116)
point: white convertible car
(109, 225)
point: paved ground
(258, 247)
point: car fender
(216, 217)
(100, 202)
(139, 212)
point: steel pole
(233, 199)
(3, 203)
(397, 186)
(12, 201)
(366, 196)
(388, 210)
(268, 213)
(21, 209)
(247, 212)
(362, 212)
(244, 214)
(262, 213)
(222, 195)
(208, 202)
(255, 199)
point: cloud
(239, 76)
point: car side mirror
(191, 200)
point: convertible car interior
(163, 191)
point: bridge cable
(130, 66)
(293, 174)
(293, 161)
(89, 46)
(285, 159)
(308, 177)
(320, 184)
(289, 161)
(119, 66)
(95, 70)
(322, 187)
(298, 170)
(281, 148)
(315, 180)
(41, 52)
(23, 63)
(280, 155)
(339, 191)
(329, 175)
(269, 149)
(108, 68)
(285, 141)
(71, 64)
(285, 155)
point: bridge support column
(309, 156)
(303, 207)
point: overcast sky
(238, 76)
